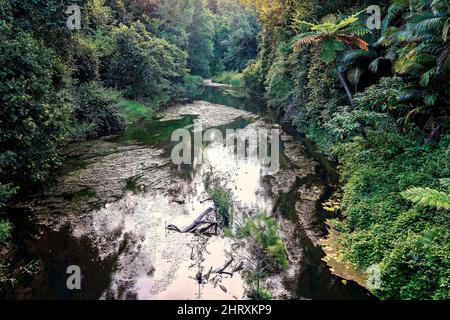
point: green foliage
(332, 35)
(423, 57)
(223, 200)
(133, 185)
(268, 253)
(264, 231)
(380, 157)
(98, 108)
(429, 197)
(383, 96)
(380, 225)
(418, 267)
(136, 110)
(190, 84)
(201, 45)
(142, 65)
(44, 19)
(253, 77)
(86, 60)
(241, 44)
(7, 191)
(33, 116)
(264, 294)
(5, 230)
(278, 82)
(232, 78)
(346, 124)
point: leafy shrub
(232, 78)
(136, 110)
(241, 44)
(98, 108)
(268, 253)
(383, 96)
(264, 294)
(253, 77)
(380, 227)
(33, 115)
(190, 85)
(223, 200)
(86, 61)
(44, 19)
(142, 65)
(264, 231)
(200, 40)
(5, 230)
(418, 267)
(346, 124)
(6, 190)
(279, 83)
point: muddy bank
(108, 209)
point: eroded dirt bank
(108, 209)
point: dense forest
(376, 100)
(389, 132)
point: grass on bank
(136, 110)
(233, 78)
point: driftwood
(197, 224)
(222, 270)
(239, 267)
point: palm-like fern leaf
(445, 182)
(428, 197)
(353, 40)
(428, 24)
(308, 38)
(393, 12)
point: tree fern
(423, 53)
(331, 37)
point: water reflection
(155, 264)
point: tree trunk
(347, 89)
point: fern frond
(305, 23)
(308, 39)
(407, 36)
(329, 51)
(346, 22)
(357, 31)
(428, 197)
(445, 54)
(393, 12)
(427, 77)
(352, 40)
(373, 66)
(358, 56)
(446, 30)
(445, 182)
(429, 24)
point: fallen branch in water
(222, 270)
(195, 226)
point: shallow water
(123, 247)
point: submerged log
(194, 226)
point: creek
(107, 209)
